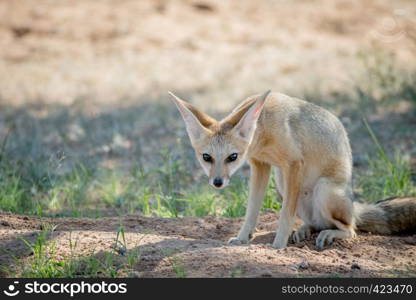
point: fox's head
(221, 146)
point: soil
(198, 247)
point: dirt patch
(198, 246)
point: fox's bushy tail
(389, 216)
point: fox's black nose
(218, 182)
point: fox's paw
(277, 245)
(237, 241)
(303, 233)
(325, 237)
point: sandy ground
(214, 52)
(198, 246)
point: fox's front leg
(292, 179)
(259, 178)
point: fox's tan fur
(310, 150)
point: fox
(309, 150)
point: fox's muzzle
(219, 182)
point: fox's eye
(232, 157)
(207, 157)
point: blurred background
(87, 127)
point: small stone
(304, 265)
(25, 218)
(266, 273)
(135, 274)
(355, 267)
(5, 223)
(410, 240)
(203, 7)
(293, 267)
(122, 251)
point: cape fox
(310, 150)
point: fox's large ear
(247, 123)
(196, 122)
